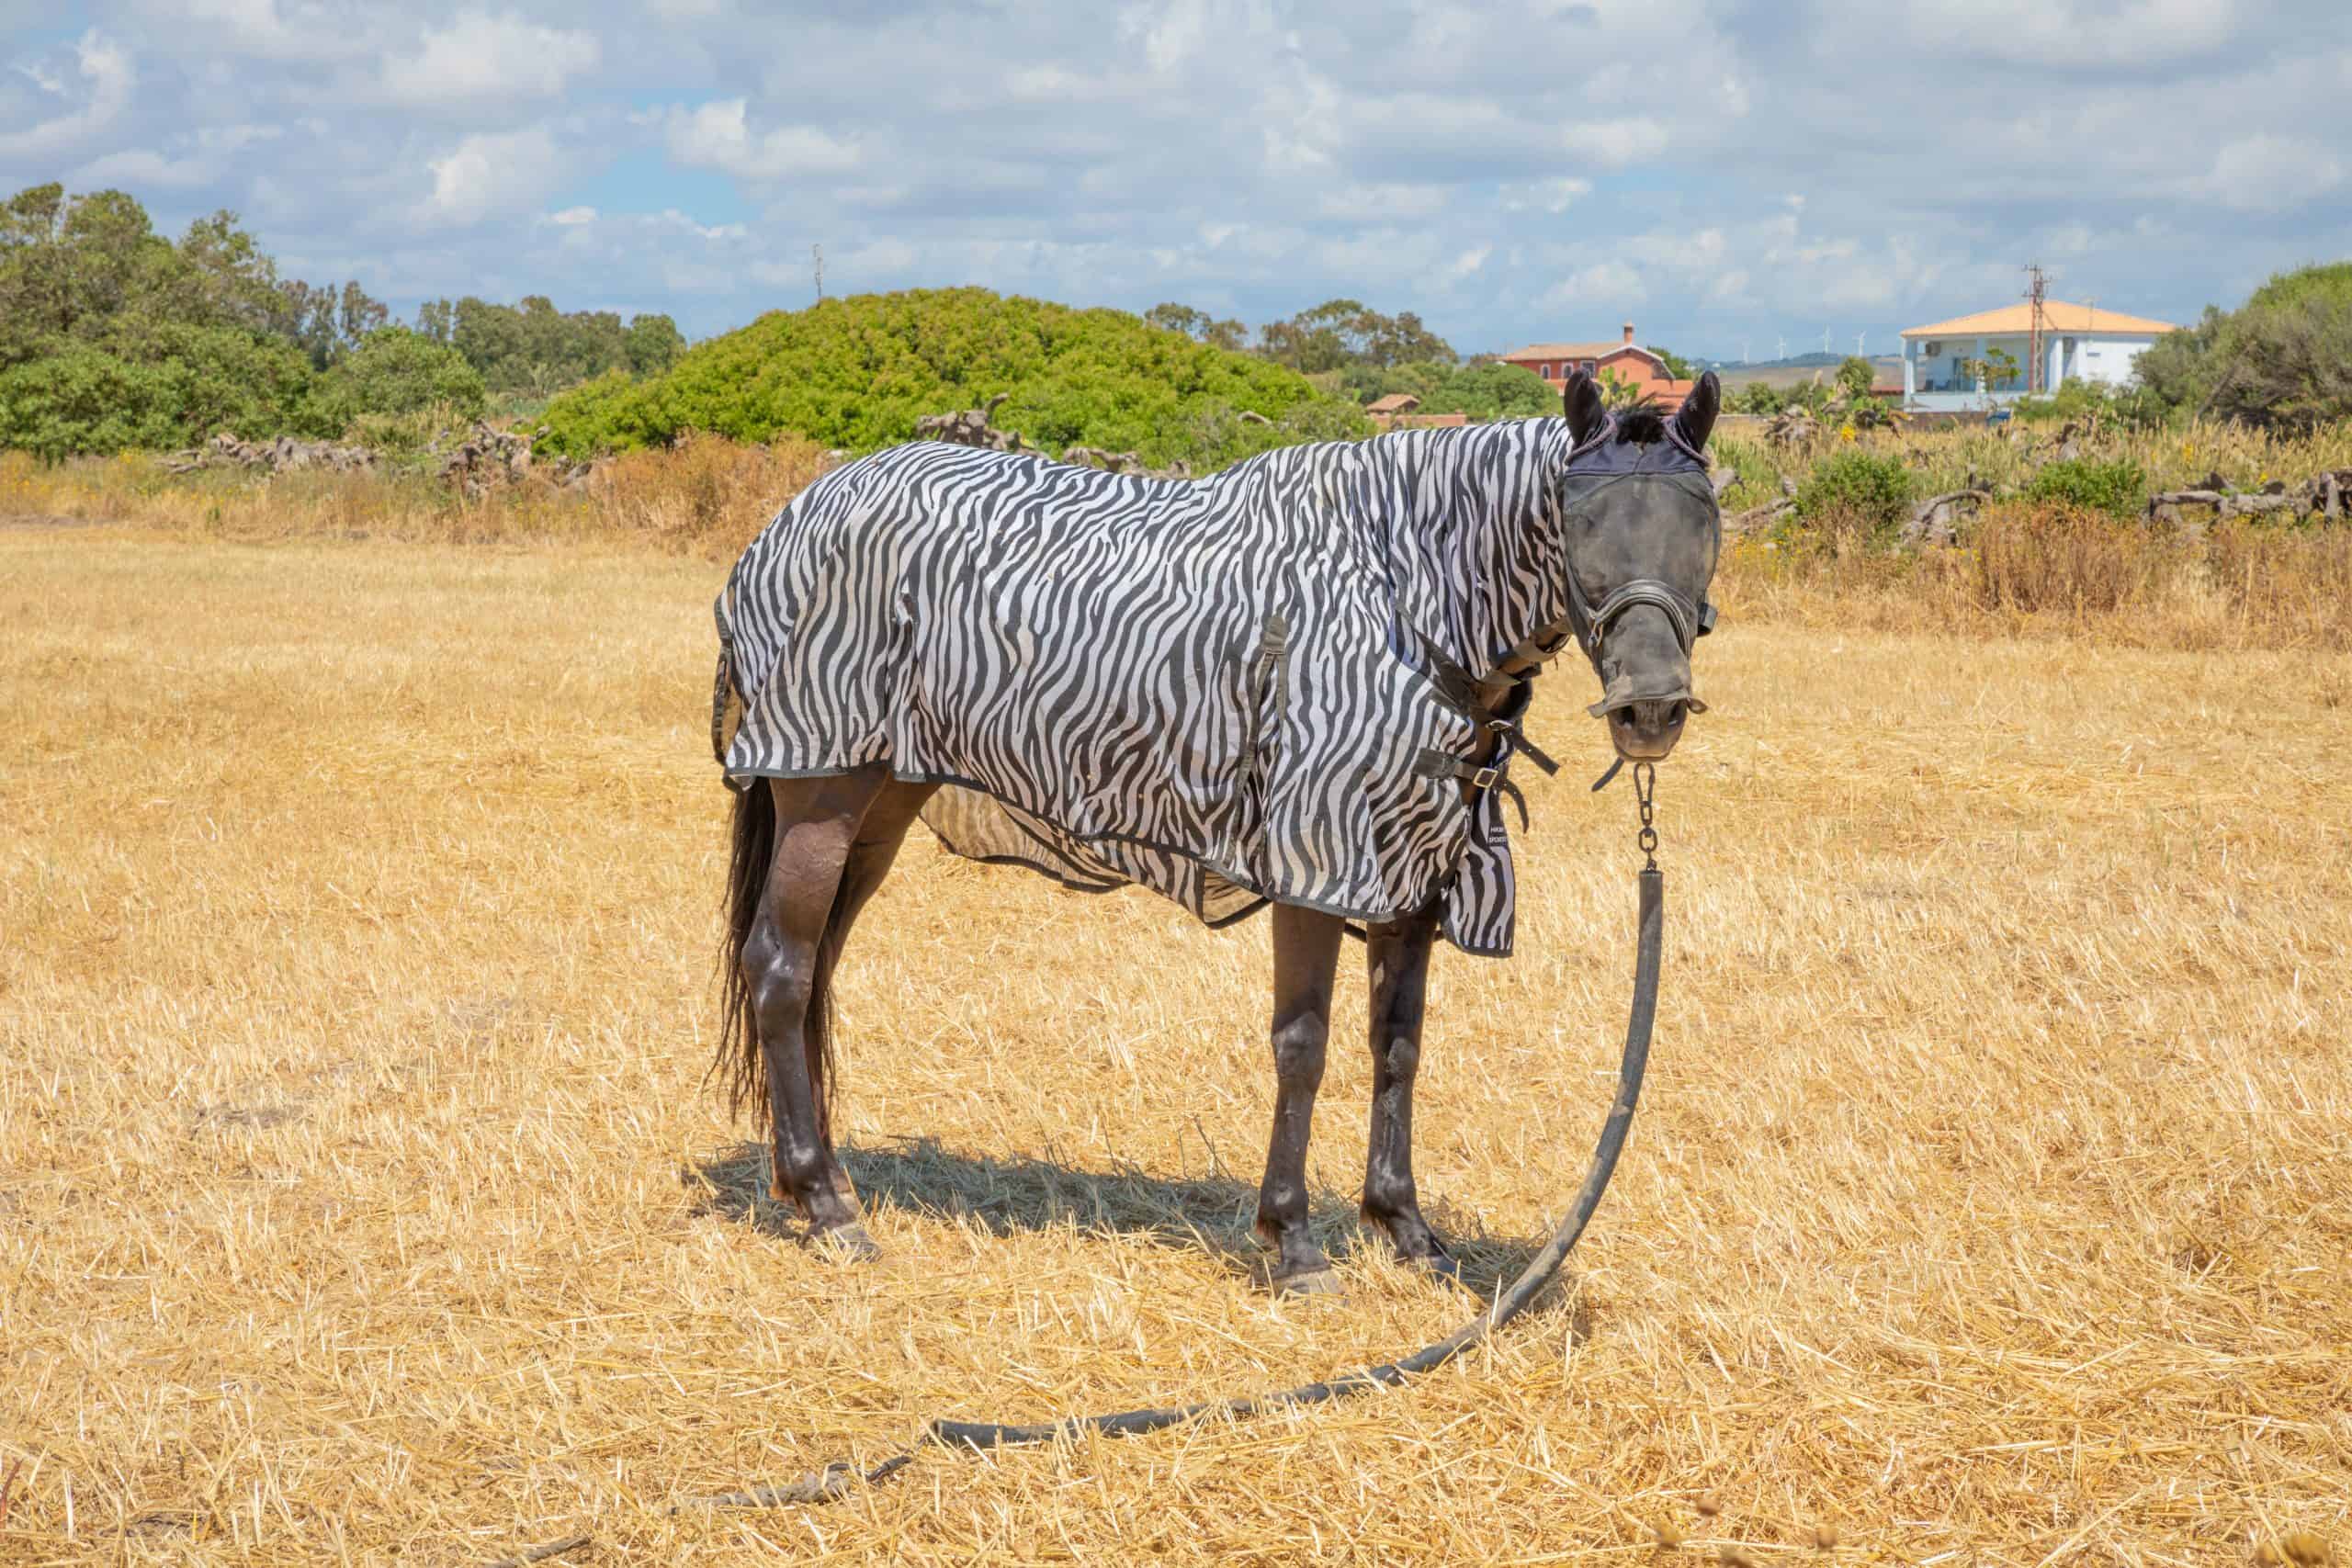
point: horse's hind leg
(1306, 955)
(871, 855)
(1398, 957)
(823, 836)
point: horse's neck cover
(1218, 689)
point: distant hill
(1798, 368)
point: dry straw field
(362, 1199)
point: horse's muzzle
(1645, 729)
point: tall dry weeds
(706, 496)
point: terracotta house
(1401, 411)
(1626, 359)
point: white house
(2079, 342)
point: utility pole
(2037, 289)
(817, 256)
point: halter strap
(1692, 621)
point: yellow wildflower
(1845, 433)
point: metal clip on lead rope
(1645, 792)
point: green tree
(1993, 371)
(1198, 325)
(1343, 333)
(2283, 359)
(533, 348)
(1855, 376)
(396, 371)
(1619, 394)
(652, 343)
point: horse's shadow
(1006, 1196)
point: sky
(1727, 175)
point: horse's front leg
(1399, 958)
(1307, 956)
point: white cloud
(1380, 203)
(490, 175)
(1605, 286)
(1514, 170)
(200, 159)
(106, 68)
(1545, 195)
(310, 31)
(719, 136)
(2096, 34)
(478, 56)
(1613, 143)
(2267, 173)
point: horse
(1297, 684)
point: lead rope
(838, 1478)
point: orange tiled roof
(2057, 316)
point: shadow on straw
(1019, 1193)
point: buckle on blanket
(1485, 777)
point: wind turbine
(1825, 340)
(1858, 342)
(1782, 352)
(1745, 358)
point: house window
(1588, 366)
(1543, 370)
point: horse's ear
(1582, 402)
(1695, 420)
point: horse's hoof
(1307, 1282)
(848, 1243)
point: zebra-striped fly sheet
(1219, 690)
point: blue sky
(1725, 174)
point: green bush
(1864, 488)
(152, 385)
(856, 372)
(79, 398)
(395, 371)
(2134, 406)
(2118, 488)
(2281, 360)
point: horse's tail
(753, 847)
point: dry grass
(1947, 458)
(2040, 571)
(360, 1197)
(706, 497)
